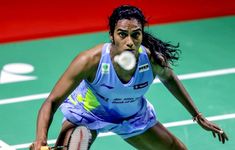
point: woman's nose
(130, 42)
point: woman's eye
(135, 35)
(122, 35)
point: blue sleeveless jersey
(107, 98)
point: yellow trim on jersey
(140, 50)
(91, 101)
(71, 100)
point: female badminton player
(103, 89)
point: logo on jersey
(107, 86)
(105, 68)
(141, 85)
(143, 67)
(102, 97)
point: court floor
(207, 69)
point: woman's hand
(209, 126)
(37, 144)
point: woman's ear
(111, 38)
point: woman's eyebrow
(122, 30)
(135, 30)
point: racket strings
(80, 139)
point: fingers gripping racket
(80, 139)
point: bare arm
(82, 67)
(174, 85)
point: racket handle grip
(45, 148)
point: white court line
(23, 98)
(203, 74)
(181, 77)
(168, 125)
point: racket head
(80, 139)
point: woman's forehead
(128, 24)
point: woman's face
(127, 36)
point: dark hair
(125, 12)
(162, 52)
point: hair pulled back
(162, 52)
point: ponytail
(162, 52)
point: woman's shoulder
(93, 57)
(92, 53)
(89, 59)
(146, 50)
(95, 52)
